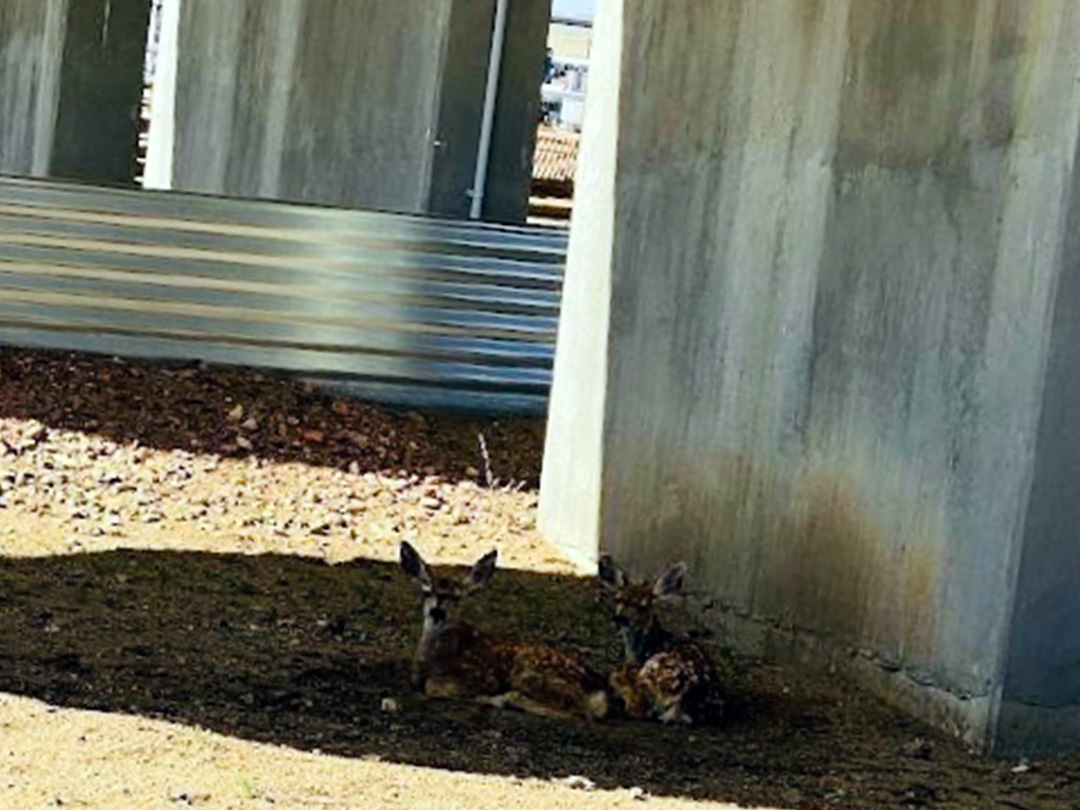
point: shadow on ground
(292, 651)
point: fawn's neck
(444, 637)
(640, 646)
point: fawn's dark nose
(437, 614)
(620, 620)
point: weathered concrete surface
(838, 230)
(70, 83)
(468, 44)
(461, 108)
(328, 101)
(574, 466)
(518, 113)
(360, 103)
(31, 42)
(1042, 677)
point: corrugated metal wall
(398, 309)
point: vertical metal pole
(487, 124)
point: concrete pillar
(461, 106)
(359, 103)
(71, 75)
(31, 41)
(518, 114)
(1041, 695)
(572, 478)
(309, 100)
(805, 337)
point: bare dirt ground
(198, 607)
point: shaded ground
(247, 591)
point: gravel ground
(197, 582)
(100, 455)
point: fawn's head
(635, 601)
(443, 592)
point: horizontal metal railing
(395, 308)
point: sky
(573, 8)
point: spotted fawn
(455, 659)
(663, 675)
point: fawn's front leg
(441, 686)
(624, 682)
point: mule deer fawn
(455, 659)
(663, 675)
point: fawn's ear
(671, 581)
(482, 571)
(610, 574)
(413, 564)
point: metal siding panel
(394, 308)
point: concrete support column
(811, 298)
(71, 75)
(358, 103)
(517, 113)
(571, 506)
(326, 101)
(1041, 692)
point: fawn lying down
(455, 659)
(663, 675)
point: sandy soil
(196, 583)
(68, 758)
